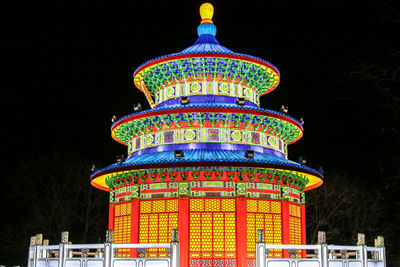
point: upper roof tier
(206, 61)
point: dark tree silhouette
(50, 193)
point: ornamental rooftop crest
(206, 60)
(207, 157)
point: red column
(183, 226)
(241, 231)
(303, 228)
(111, 211)
(285, 226)
(135, 205)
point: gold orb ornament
(206, 13)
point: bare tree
(51, 193)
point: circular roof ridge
(157, 163)
(208, 106)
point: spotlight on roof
(302, 121)
(137, 107)
(120, 158)
(185, 100)
(284, 109)
(94, 168)
(179, 153)
(240, 101)
(114, 118)
(321, 170)
(249, 154)
(302, 160)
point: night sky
(68, 65)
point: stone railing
(321, 254)
(65, 254)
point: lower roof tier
(205, 158)
(208, 115)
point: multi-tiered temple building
(206, 159)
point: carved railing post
(174, 249)
(108, 249)
(260, 249)
(62, 252)
(45, 252)
(32, 255)
(323, 251)
(362, 255)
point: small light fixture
(120, 158)
(284, 109)
(240, 101)
(249, 154)
(302, 160)
(94, 168)
(185, 100)
(179, 153)
(137, 107)
(321, 170)
(114, 118)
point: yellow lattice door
(295, 225)
(157, 219)
(122, 227)
(212, 238)
(266, 215)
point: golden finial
(206, 13)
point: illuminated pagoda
(206, 159)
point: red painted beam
(285, 226)
(111, 211)
(241, 232)
(134, 225)
(303, 228)
(183, 226)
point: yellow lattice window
(251, 205)
(228, 205)
(212, 229)
(212, 204)
(122, 227)
(263, 214)
(295, 225)
(157, 219)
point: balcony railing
(100, 255)
(322, 254)
(41, 254)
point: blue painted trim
(205, 99)
(220, 146)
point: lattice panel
(212, 238)
(266, 215)
(157, 219)
(295, 225)
(122, 227)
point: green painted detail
(265, 186)
(190, 134)
(290, 178)
(212, 184)
(135, 191)
(236, 135)
(285, 130)
(253, 75)
(149, 139)
(158, 186)
(184, 189)
(241, 189)
(284, 192)
(112, 197)
(224, 88)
